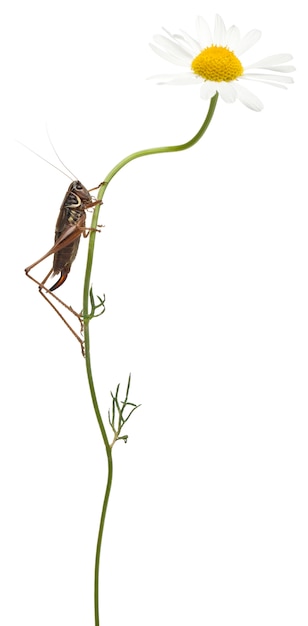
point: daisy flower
(212, 60)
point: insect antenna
(48, 135)
(46, 160)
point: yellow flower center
(217, 63)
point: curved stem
(99, 538)
(183, 146)
(112, 173)
(109, 473)
(86, 318)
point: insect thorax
(73, 215)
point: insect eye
(78, 185)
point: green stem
(100, 536)
(86, 291)
(109, 478)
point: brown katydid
(70, 225)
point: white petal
(187, 43)
(281, 68)
(185, 78)
(194, 45)
(208, 89)
(227, 91)
(247, 42)
(248, 98)
(219, 32)
(233, 37)
(275, 78)
(204, 33)
(169, 57)
(266, 82)
(176, 49)
(275, 59)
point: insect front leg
(98, 186)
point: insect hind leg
(44, 291)
(79, 339)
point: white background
(203, 260)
